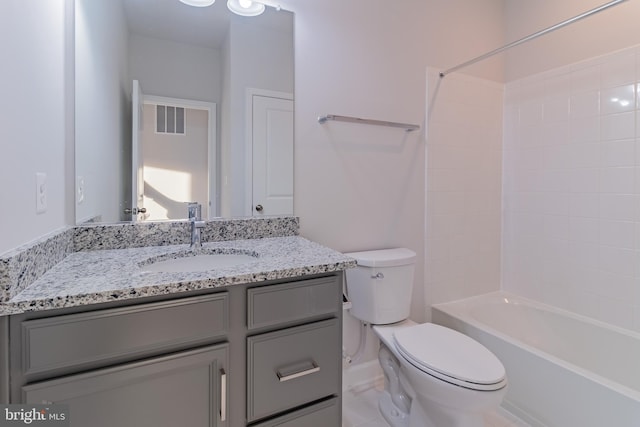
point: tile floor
(360, 409)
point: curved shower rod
(532, 36)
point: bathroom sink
(203, 262)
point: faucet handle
(195, 211)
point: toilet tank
(380, 286)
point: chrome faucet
(195, 218)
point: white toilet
(434, 376)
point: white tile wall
(464, 184)
(571, 171)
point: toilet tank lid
(384, 257)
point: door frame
(248, 137)
(137, 123)
(212, 143)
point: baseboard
(521, 415)
(362, 374)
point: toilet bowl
(434, 376)
(451, 379)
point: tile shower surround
(464, 161)
(571, 188)
(22, 266)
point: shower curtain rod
(532, 36)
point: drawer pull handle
(223, 395)
(315, 368)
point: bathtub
(564, 370)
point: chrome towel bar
(406, 126)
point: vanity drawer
(322, 414)
(292, 302)
(292, 367)
(88, 340)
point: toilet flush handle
(379, 276)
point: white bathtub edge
(541, 365)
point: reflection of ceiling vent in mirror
(170, 119)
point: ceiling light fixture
(245, 7)
(198, 3)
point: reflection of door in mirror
(137, 130)
(272, 148)
(178, 160)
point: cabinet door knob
(259, 208)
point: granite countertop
(98, 276)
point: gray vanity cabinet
(264, 355)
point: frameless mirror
(176, 104)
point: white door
(137, 179)
(272, 147)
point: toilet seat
(450, 356)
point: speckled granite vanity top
(96, 276)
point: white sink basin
(198, 263)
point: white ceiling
(201, 26)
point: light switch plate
(80, 190)
(41, 192)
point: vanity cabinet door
(183, 389)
